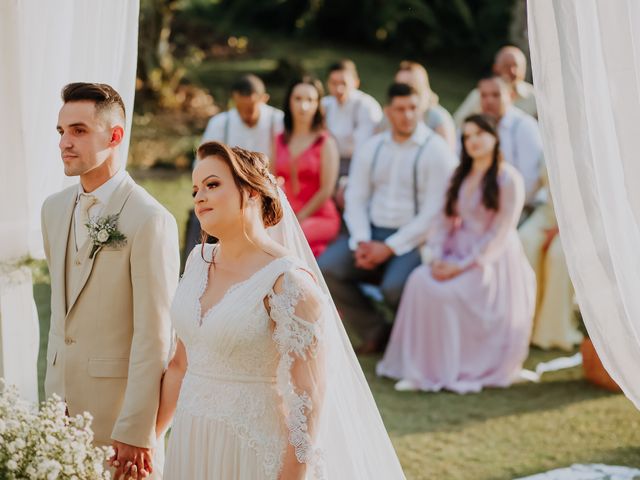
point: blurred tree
(470, 29)
(159, 72)
(474, 29)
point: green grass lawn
(495, 434)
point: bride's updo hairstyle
(250, 172)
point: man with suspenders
(251, 124)
(397, 184)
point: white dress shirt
(525, 100)
(385, 197)
(352, 123)
(258, 138)
(521, 146)
(102, 194)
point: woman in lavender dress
(464, 321)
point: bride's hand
(442, 271)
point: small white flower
(103, 236)
(12, 465)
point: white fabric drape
(585, 57)
(20, 333)
(43, 46)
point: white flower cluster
(46, 444)
(101, 229)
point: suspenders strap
(514, 142)
(415, 172)
(226, 128)
(376, 154)
(416, 159)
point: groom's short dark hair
(105, 97)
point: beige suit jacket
(108, 348)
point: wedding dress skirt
(204, 446)
(271, 375)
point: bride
(263, 383)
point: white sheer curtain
(43, 46)
(585, 57)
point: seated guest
(436, 116)
(511, 65)
(555, 323)
(464, 320)
(250, 124)
(352, 115)
(306, 158)
(520, 139)
(396, 184)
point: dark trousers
(345, 163)
(342, 277)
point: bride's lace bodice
(240, 357)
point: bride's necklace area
(231, 286)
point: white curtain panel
(585, 57)
(43, 46)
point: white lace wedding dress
(239, 404)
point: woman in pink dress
(306, 160)
(464, 321)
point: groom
(111, 282)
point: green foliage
(472, 28)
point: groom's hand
(132, 462)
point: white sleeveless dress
(229, 423)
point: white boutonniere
(103, 231)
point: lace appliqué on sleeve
(296, 339)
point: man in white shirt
(351, 115)
(397, 183)
(510, 64)
(251, 124)
(520, 140)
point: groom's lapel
(61, 236)
(115, 205)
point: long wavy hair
(490, 188)
(318, 118)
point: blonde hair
(415, 67)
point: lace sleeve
(296, 308)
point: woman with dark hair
(464, 320)
(306, 160)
